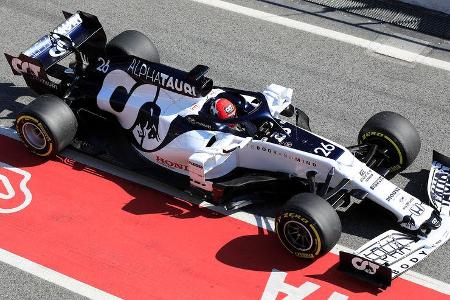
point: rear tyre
(394, 133)
(308, 226)
(46, 126)
(132, 42)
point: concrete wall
(439, 5)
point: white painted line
(260, 221)
(54, 277)
(332, 34)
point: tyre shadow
(259, 252)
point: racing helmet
(223, 109)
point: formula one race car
(118, 102)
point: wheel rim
(394, 155)
(34, 136)
(298, 236)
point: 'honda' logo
(417, 209)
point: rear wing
(41, 59)
(392, 253)
(82, 28)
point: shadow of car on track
(9, 94)
(367, 220)
(259, 252)
(346, 281)
(417, 183)
(139, 205)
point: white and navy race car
(116, 101)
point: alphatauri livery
(116, 101)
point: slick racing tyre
(46, 126)
(132, 42)
(308, 226)
(394, 133)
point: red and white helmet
(223, 109)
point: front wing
(392, 253)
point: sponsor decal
(417, 209)
(411, 261)
(14, 193)
(47, 83)
(197, 122)
(282, 154)
(64, 29)
(229, 109)
(377, 182)
(304, 255)
(144, 71)
(69, 25)
(364, 265)
(391, 195)
(196, 165)
(23, 67)
(171, 164)
(365, 175)
(409, 202)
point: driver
(223, 109)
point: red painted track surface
(136, 243)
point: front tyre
(308, 226)
(394, 133)
(46, 126)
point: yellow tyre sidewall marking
(44, 131)
(314, 233)
(382, 135)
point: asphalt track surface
(337, 84)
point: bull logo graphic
(147, 122)
(140, 114)
(14, 193)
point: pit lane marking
(374, 46)
(54, 277)
(10, 190)
(259, 221)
